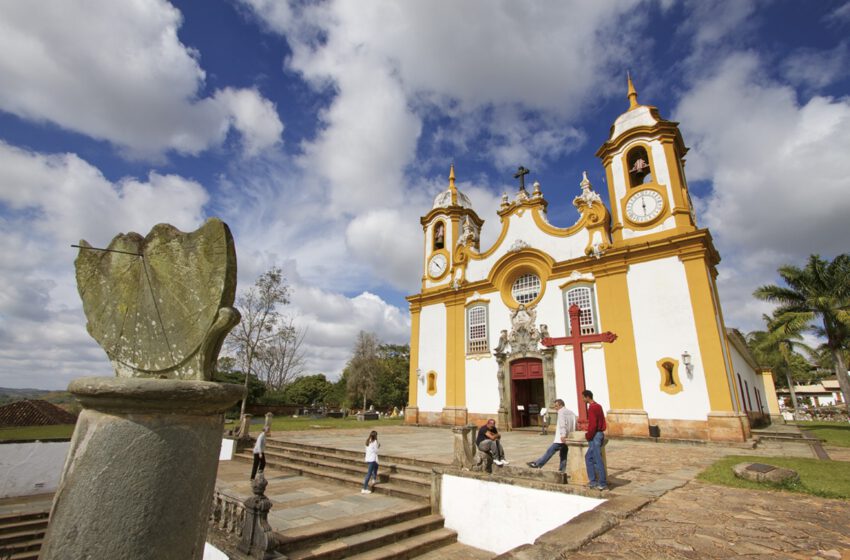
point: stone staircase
(401, 477)
(380, 535)
(21, 535)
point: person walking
(595, 436)
(260, 453)
(489, 441)
(565, 424)
(371, 459)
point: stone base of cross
(576, 340)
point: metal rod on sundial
(109, 250)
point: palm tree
(778, 348)
(818, 292)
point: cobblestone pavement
(706, 521)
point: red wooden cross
(576, 340)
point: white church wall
(524, 228)
(498, 517)
(662, 315)
(482, 387)
(753, 381)
(432, 355)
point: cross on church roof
(520, 174)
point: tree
(362, 370)
(224, 373)
(280, 359)
(258, 327)
(308, 390)
(393, 375)
(817, 299)
(777, 347)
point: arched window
(439, 235)
(476, 333)
(583, 297)
(639, 170)
(526, 288)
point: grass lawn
(287, 423)
(62, 431)
(827, 479)
(833, 433)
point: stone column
(268, 424)
(576, 468)
(140, 474)
(549, 383)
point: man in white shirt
(566, 423)
(260, 453)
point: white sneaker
(505, 462)
(498, 462)
(363, 491)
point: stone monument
(139, 477)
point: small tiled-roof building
(34, 413)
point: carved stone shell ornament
(161, 305)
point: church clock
(644, 206)
(437, 266)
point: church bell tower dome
(451, 196)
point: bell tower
(645, 169)
(451, 222)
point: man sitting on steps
(488, 441)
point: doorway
(527, 396)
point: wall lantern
(689, 367)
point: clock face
(437, 265)
(644, 206)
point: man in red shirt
(595, 436)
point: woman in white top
(260, 453)
(371, 459)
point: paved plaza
(688, 519)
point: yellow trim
(446, 254)
(624, 160)
(769, 390)
(710, 340)
(477, 301)
(478, 356)
(616, 221)
(615, 314)
(677, 384)
(513, 265)
(576, 280)
(662, 215)
(681, 200)
(431, 383)
(731, 378)
(467, 306)
(413, 378)
(455, 352)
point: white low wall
(31, 468)
(228, 447)
(499, 517)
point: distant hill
(61, 398)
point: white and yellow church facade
(641, 270)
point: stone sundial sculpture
(140, 472)
(161, 305)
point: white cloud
(48, 202)
(779, 171)
(117, 71)
(816, 69)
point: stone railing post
(268, 424)
(258, 540)
(244, 427)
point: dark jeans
(593, 460)
(258, 462)
(562, 449)
(372, 472)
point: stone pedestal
(244, 431)
(139, 478)
(576, 468)
(411, 415)
(454, 416)
(728, 426)
(627, 422)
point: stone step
(410, 547)
(297, 460)
(424, 473)
(23, 525)
(394, 459)
(20, 536)
(8, 518)
(368, 541)
(28, 555)
(315, 533)
(32, 545)
(388, 488)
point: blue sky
(321, 131)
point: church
(623, 302)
